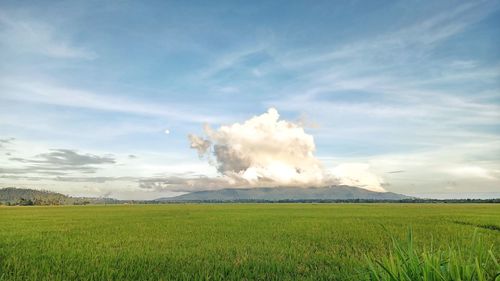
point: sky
(146, 99)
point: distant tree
(25, 202)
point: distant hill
(26, 197)
(286, 193)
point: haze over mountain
(287, 193)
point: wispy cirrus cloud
(45, 92)
(22, 34)
(399, 46)
(394, 75)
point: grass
(405, 263)
(231, 241)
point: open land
(225, 241)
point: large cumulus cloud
(267, 151)
(263, 149)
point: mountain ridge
(340, 192)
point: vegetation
(26, 197)
(29, 197)
(405, 263)
(240, 241)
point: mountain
(286, 193)
(25, 196)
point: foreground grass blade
(474, 263)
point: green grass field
(225, 241)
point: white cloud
(471, 172)
(263, 149)
(470, 167)
(358, 174)
(267, 151)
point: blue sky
(405, 86)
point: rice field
(231, 241)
